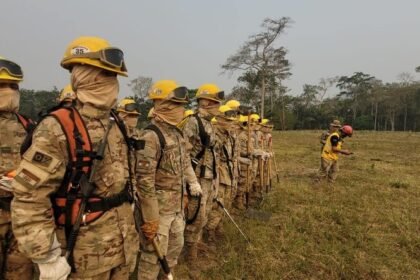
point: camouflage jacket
(12, 135)
(162, 175)
(101, 245)
(226, 154)
(191, 131)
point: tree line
(360, 99)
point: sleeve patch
(42, 159)
(27, 178)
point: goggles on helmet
(14, 86)
(132, 108)
(230, 114)
(220, 95)
(110, 56)
(179, 94)
(12, 68)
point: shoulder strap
(202, 132)
(162, 140)
(159, 134)
(79, 145)
(27, 123)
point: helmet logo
(206, 92)
(79, 50)
(157, 91)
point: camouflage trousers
(117, 273)
(256, 190)
(13, 264)
(224, 194)
(171, 240)
(193, 232)
(329, 169)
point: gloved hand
(265, 156)
(56, 270)
(258, 153)
(195, 189)
(54, 266)
(150, 229)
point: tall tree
(140, 87)
(262, 55)
(354, 87)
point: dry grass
(365, 226)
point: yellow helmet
(129, 106)
(67, 93)
(150, 114)
(94, 51)
(254, 117)
(227, 112)
(10, 71)
(243, 118)
(264, 121)
(234, 104)
(168, 90)
(211, 92)
(188, 113)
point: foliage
(32, 102)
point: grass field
(365, 226)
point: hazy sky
(188, 40)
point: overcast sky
(188, 40)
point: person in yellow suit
(330, 152)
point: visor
(12, 68)
(113, 57)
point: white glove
(195, 189)
(53, 267)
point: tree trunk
(283, 114)
(405, 116)
(376, 117)
(392, 120)
(262, 95)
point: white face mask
(9, 99)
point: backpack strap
(79, 147)
(27, 123)
(162, 140)
(205, 142)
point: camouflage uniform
(161, 181)
(226, 180)
(208, 183)
(106, 247)
(12, 135)
(244, 163)
(255, 194)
